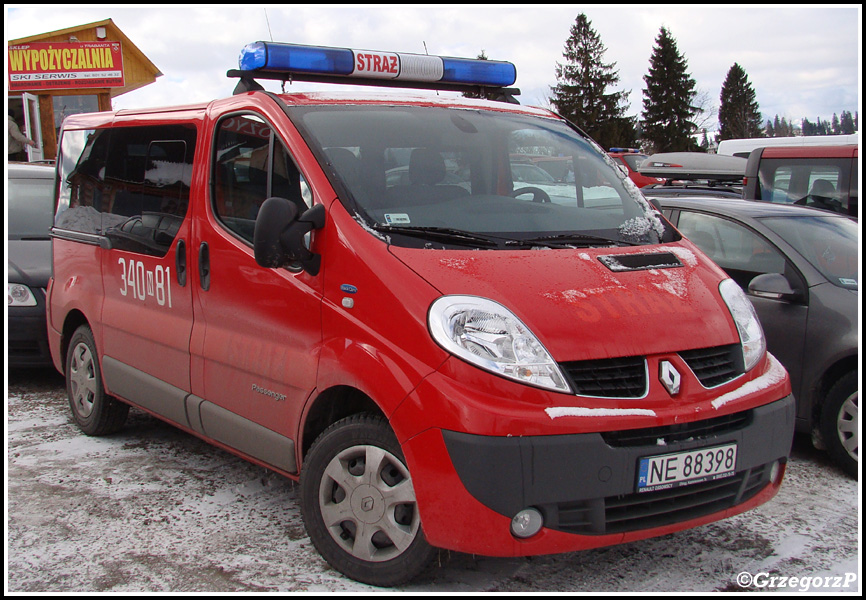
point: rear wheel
(93, 410)
(839, 427)
(359, 505)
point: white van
(743, 147)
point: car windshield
(31, 208)
(416, 173)
(634, 160)
(829, 243)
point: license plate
(667, 471)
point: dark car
(30, 201)
(799, 267)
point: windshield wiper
(442, 234)
(565, 240)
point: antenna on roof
(269, 24)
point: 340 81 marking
(141, 283)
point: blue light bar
(273, 57)
(479, 72)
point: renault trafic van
(350, 289)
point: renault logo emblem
(669, 377)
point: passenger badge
(669, 377)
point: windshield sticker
(397, 219)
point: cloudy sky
(801, 61)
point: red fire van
(351, 291)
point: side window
(83, 194)
(742, 253)
(130, 184)
(251, 165)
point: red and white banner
(60, 65)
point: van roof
(85, 120)
(846, 151)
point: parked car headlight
(751, 333)
(488, 335)
(20, 295)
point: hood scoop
(640, 262)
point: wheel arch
(74, 319)
(833, 374)
(330, 406)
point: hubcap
(82, 380)
(846, 426)
(368, 503)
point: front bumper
(585, 484)
(27, 337)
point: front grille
(633, 512)
(678, 432)
(715, 366)
(608, 378)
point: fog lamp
(775, 471)
(526, 523)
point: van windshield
(436, 176)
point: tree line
(674, 112)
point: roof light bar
(295, 59)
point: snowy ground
(152, 509)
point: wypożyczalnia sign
(64, 65)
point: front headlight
(751, 334)
(488, 335)
(20, 295)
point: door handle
(180, 263)
(204, 266)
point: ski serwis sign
(59, 65)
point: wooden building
(70, 71)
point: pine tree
(846, 123)
(581, 95)
(739, 116)
(668, 99)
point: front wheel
(359, 505)
(839, 426)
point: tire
(95, 412)
(359, 506)
(839, 428)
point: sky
(801, 61)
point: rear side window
(130, 184)
(817, 182)
(252, 165)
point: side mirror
(772, 285)
(278, 239)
